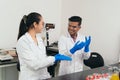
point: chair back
(95, 60)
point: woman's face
(39, 26)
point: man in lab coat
(74, 45)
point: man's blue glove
(59, 57)
(79, 45)
(87, 43)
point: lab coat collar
(39, 39)
(29, 37)
(68, 35)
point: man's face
(73, 28)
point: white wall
(101, 21)
(13, 10)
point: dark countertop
(15, 60)
(52, 50)
(83, 74)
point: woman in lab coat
(74, 45)
(31, 50)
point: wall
(101, 21)
(13, 11)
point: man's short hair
(76, 19)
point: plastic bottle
(115, 74)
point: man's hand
(79, 45)
(87, 43)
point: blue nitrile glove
(59, 57)
(79, 45)
(87, 43)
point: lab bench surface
(83, 74)
(51, 51)
(9, 62)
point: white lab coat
(76, 65)
(33, 59)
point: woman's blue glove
(59, 57)
(87, 43)
(79, 45)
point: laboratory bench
(83, 74)
(9, 62)
(11, 66)
(8, 69)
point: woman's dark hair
(27, 23)
(76, 19)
